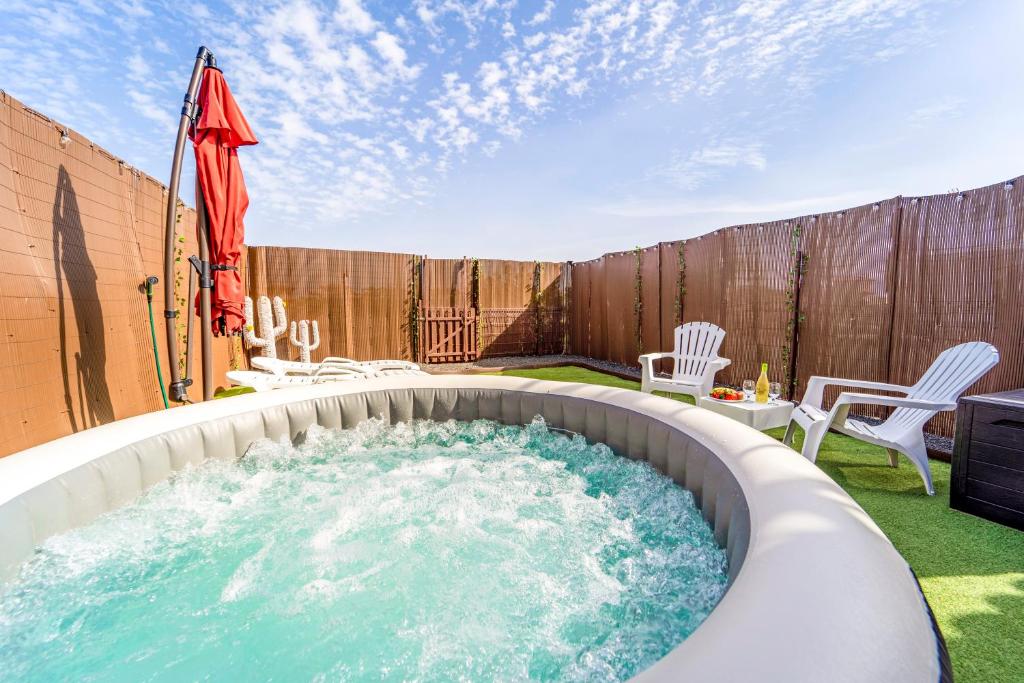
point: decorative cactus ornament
(269, 332)
(301, 340)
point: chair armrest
(656, 356)
(720, 363)
(816, 387)
(850, 398)
(647, 369)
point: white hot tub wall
(817, 592)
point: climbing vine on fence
(474, 299)
(798, 265)
(414, 313)
(535, 301)
(180, 301)
(638, 303)
(681, 284)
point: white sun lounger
(292, 367)
(265, 381)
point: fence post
(894, 288)
(535, 302)
(638, 300)
(794, 339)
(565, 300)
(681, 284)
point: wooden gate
(447, 335)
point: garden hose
(150, 281)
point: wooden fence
(382, 305)
(80, 230)
(874, 292)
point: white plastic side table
(760, 416)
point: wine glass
(774, 391)
(748, 389)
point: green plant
(798, 266)
(638, 302)
(681, 284)
(180, 302)
(474, 303)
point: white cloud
(767, 210)
(145, 104)
(690, 171)
(351, 15)
(362, 104)
(543, 15)
(390, 49)
(943, 108)
(138, 68)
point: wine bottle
(761, 389)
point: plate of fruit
(726, 395)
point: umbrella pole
(193, 274)
(205, 285)
(178, 388)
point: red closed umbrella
(220, 130)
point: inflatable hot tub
(816, 591)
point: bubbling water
(428, 551)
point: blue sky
(496, 128)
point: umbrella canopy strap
(205, 293)
(178, 388)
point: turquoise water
(424, 551)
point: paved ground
(934, 442)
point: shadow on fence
(76, 280)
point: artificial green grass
(233, 391)
(971, 570)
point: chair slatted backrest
(696, 345)
(948, 376)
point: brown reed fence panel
(506, 284)
(670, 308)
(650, 299)
(508, 313)
(737, 278)
(598, 309)
(521, 307)
(621, 298)
(551, 301)
(508, 331)
(846, 295)
(362, 301)
(958, 279)
(579, 309)
(379, 287)
(79, 232)
(446, 282)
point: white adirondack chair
(695, 361)
(949, 376)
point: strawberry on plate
(726, 394)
